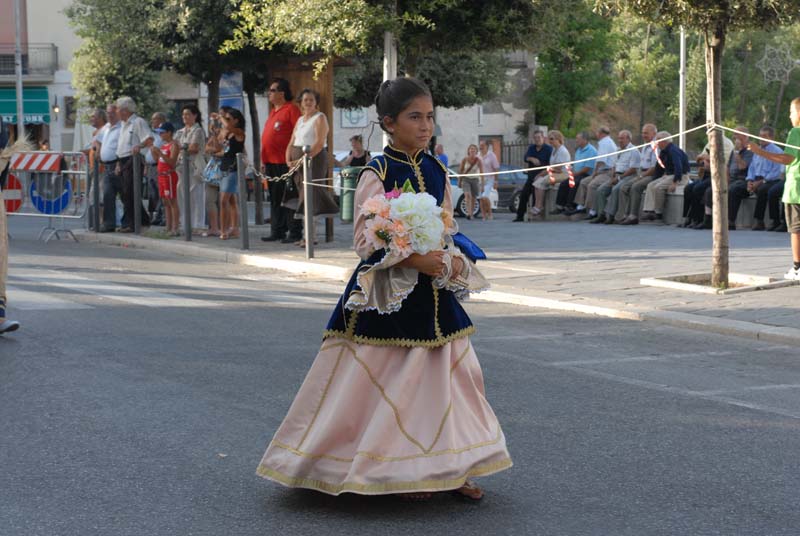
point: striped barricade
(51, 185)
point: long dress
(394, 401)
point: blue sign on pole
(51, 205)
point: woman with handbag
(192, 135)
(212, 175)
(470, 185)
(312, 130)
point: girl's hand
(432, 263)
(456, 265)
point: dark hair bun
(394, 96)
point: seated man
(538, 154)
(672, 171)
(565, 200)
(625, 168)
(556, 175)
(696, 203)
(603, 171)
(628, 197)
(762, 175)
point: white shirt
(109, 141)
(605, 146)
(148, 156)
(305, 132)
(628, 160)
(134, 132)
(560, 156)
(490, 163)
(647, 158)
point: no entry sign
(12, 195)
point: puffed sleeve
(369, 185)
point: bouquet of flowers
(404, 222)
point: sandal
(223, 236)
(469, 490)
(206, 234)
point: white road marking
(112, 290)
(26, 300)
(664, 357)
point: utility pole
(682, 93)
(389, 60)
(18, 69)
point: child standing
(166, 158)
(394, 402)
(791, 190)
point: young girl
(394, 401)
(166, 158)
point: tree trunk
(643, 104)
(254, 121)
(745, 85)
(213, 92)
(715, 44)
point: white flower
(422, 219)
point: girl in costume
(394, 401)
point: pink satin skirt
(377, 420)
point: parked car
(509, 186)
(460, 203)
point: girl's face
(165, 136)
(472, 151)
(308, 103)
(413, 128)
(188, 118)
(357, 145)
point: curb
(738, 328)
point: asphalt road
(141, 391)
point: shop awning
(36, 105)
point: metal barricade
(49, 184)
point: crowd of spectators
(614, 187)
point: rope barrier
(572, 162)
(567, 165)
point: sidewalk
(568, 266)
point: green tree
(574, 65)
(435, 38)
(714, 20)
(113, 60)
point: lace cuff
(382, 286)
(469, 280)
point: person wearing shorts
(471, 185)
(791, 189)
(166, 158)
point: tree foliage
(574, 65)
(114, 59)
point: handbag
(212, 174)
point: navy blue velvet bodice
(429, 317)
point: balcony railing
(37, 59)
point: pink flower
(375, 206)
(378, 232)
(401, 245)
(393, 194)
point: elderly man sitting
(603, 172)
(762, 176)
(672, 171)
(625, 169)
(626, 196)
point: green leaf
(408, 187)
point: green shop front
(35, 108)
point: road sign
(12, 194)
(51, 205)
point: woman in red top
(167, 157)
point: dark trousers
(764, 196)
(112, 186)
(774, 195)
(525, 196)
(282, 220)
(127, 195)
(737, 191)
(565, 197)
(693, 199)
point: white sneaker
(793, 274)
(7, 326)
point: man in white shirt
(602, 174)
(134, 135)
(108, 142)
(626, 168)
(630, 193)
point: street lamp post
(18, 69)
